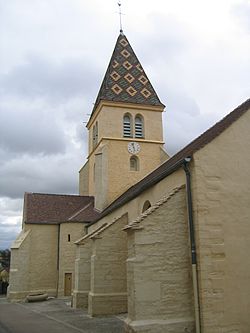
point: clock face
(134, 147)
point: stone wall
(34, 262)
(82, 274)
(221, 188)
(160, 294)
(19, 277)
(108, 293)
(69, 233)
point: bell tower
(125, 129)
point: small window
(139, 131)
(146, 206)
(127, 133)
(95, 134)
(134, 163)
(68, 237)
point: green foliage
(5, 258)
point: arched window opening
(146, 206)
(95, 134)
(139, 130)
(134, 163)
(127, 133)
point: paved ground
(52, 316)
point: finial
(120, 14)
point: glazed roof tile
(125, 79)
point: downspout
(193, 245)
(58, 258)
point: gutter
(193, 245)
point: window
(95, 134)
(127, 126)
(146, 206)
(139, 127)
(134, 163)
(68, 237)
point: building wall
(34, 261)
(160, 295)
(82, 274)
(43, 258)
(84, 180)
(113, 169)
(134, 207)
(110, 121)
(19, 274)
(109, 161)
(108, 293)
(221, 188)
(69, 233)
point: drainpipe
(192, 243)
(58, 258)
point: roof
(54, 208)
(125, 79)
(177, 160)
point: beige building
(162, 239)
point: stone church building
(163, 239)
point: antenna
(120, 14)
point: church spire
(125, 79)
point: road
(53, 316)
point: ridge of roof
(176, 160)
(79, 211)
(125, 79)
(59, 195)
(134, 224)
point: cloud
(48, 79)
(10, 220)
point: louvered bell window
(127, 127)
(139, 127)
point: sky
(53, 56)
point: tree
(5, 258)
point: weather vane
(120, 14)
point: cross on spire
(120, 14)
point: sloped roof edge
(176, 161)
(134, 224)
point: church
(163, 239)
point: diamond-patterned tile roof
(125, 80)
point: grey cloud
(7, 236)
(56, 81)
(40, 174)
(183, 116)
(26, 127)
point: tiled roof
(54, 208)
(177, 160)
(125, 79)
